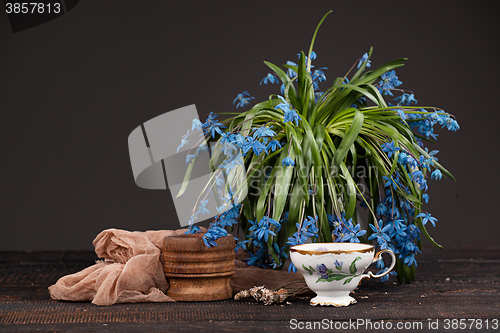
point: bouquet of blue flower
(297, 167)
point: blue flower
(240, 140)
(381, 209)
(426, 217)
(263, 132)
(380, 234)
(351, 233)
(309, 227)
(257, 146)
(390, 182)
(402, 157)
(240, 244)
(363, 59)
(266, 220)
(243, 99)
(338, 265)
(273, 145)
(389, 81)
(214, 127)
(323, 271)
(197, 125)
(405, 99)
(258, 259)
(423, 185)
(193, 229)
(190, 158)
(261, 231)
(318, 76)
(282, 89)
(184, 141)
(280, 252)
(436, 174)
(417, 176)
(284, 106)
(389, 148)
(253, 260)
(288, 161)
(452, 125)
(203, 208)
(269, 78)
(385, 277)
(212, 235)
(291, 116)
(336, 224)
(291, 73)
(230, 163)
(410, 260)
(229, 148)
(201, 149)
(211, 125)
(296, 239)
(401, 114)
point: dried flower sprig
(277, 295)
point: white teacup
(333, 270)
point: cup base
(337, 301)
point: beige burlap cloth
(132, 272)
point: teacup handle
(378, 257)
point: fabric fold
(131, 271)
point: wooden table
(451, 284)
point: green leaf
(304, 82)
(348, 280)
(336, 277)
(409, 272)
(247, 124)
(282, 188)
(247, 209)
(412, 198)
(312, 143)
(294, 206)
(349, 138)
(279, 72)
(263, 197)
(352, 268)
(399, 268)
(187, 177)
(310, 270)
(370, 77)
(297, 138)
(313, 39)
(319, 135)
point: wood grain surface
(196, 272)
(458, 283)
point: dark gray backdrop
(72, 90)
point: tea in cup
(333, 270)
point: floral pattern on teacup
(328, 275)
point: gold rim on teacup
(296, 248)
